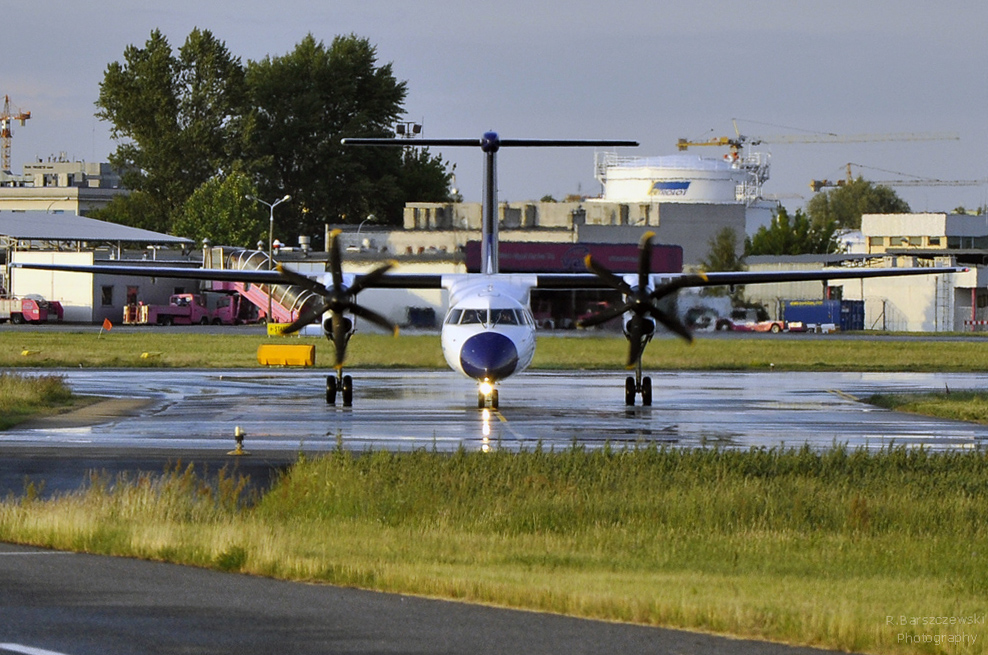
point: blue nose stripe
(489, 355)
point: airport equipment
(32, 309)
(183, 309)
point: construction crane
(910, 180)
(739, 140)
(6, 133)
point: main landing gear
(342, 384)
(638, 385)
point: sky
(645, 70)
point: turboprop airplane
(488, 333)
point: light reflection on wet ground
(285, 410)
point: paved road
(88, 605)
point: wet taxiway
(285, 410)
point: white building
(40, 237)
(953, 302)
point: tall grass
(791, 545)
(22, 396)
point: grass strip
(192, 349)
(24, 396)
(955, 405)
(790, 545)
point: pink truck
(184, 309)
(31, 309)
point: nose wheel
(339, 384)
(487, 396)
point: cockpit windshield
(488, 317)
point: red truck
(30, 309)
(184, 309)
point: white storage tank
(674, 178)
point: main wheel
(331, 390)
(646, 391)
(481, 400)
(629, 391)
(494, 399)
(347, 391)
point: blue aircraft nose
(489, 355)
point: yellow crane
(6, 133)
(739, 140)
(909, 180)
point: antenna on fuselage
(489, 143)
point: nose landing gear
(487, 396)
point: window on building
(915, 242)
(106, 296)
(934, 241)
(875, 242)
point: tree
(181, 118)
(723, 256)
(219, 211)
(305, 102)
(796, 236)
(197, 115)
(844, 205)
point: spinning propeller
(640, 302)
(337, 299)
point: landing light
(486, 388)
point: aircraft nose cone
(489, 355)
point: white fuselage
(488, 334)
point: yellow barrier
(276, 355)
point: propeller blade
(307, 317)
(373, 317)
(644, 259)
(604, 315)
(340, 329)
(369, 279)
(603, 273)
(335, 263)
(672, 324)
(672, 286)
(635, 345)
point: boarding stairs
(287, 301)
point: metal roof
(43, 226)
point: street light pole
(271, 206)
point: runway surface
(88, 605)
(285, 411)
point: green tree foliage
(795, 236)
(219, 211)
(306, 101)
(188, 119)
(723, 256)
(844, 205)
(180, 116)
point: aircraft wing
(216, 274)
(738, 278)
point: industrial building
(59, 185)
(42, 237)
(953, 302)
